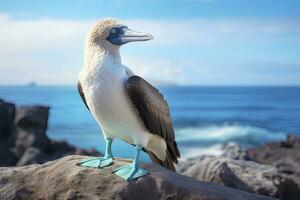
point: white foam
(214, 150)
(226, 133)
(216, 136)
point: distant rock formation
(23, 138)
(236, 169)
(62, 179)
(244, 175)
(285, 157)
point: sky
(196, 42)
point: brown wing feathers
(154, 111)
(79, 87)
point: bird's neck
(97, 56)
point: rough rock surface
(7, 115)
(61, 179)
(244, 175)
(23, 138)
(235, 152)
(285, 156)
(271, 170)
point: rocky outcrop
(237, 169)
(235, 152)
(62, 179)
(244, 175)
(23, 138)
(7, 115)
(285, 157)
(271, 170)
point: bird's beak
(128, 35)
(134, 36)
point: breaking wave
(210, 140)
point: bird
(123, 104)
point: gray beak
(123, 35)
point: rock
(62, 179)
(285, 156)
(23, 138)
(7, 156)
(288, 189)
(235, 152)
(277, 153)
(32, 155)
(32, 124)
(244, 175)
(7, 112)
(62, 148)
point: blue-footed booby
(123, 104)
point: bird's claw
(96, 162)
(130, 172)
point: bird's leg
(108, 153)
(132, 171)
(100, 162)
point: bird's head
(110, 34)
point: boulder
(32, 123)
(271, 153)
(244, 175)
(235, 152)
(7, 156)
(62, 179)
(33, 155)
(285, 156)
(23, 138)
(7, 113)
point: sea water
(205, 118)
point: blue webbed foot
(100, 162)
(130, 172)
(97, 162)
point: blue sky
(205, 42)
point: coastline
(269, 170)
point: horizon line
(164, 85)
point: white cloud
(40, 49)
(156, 70)
(51, 50)
(213, 31)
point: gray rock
(285, 156)
(32, 155)
(235, 152)
(32, 124)
(7, 156)
(244, 175)
(7, 112)
(62, 179)
(23, 138)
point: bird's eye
(124, 28)
(113, 31)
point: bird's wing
(154, 112)
(128, 71)
(79, 87)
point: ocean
(205, 118)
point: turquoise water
(204, 117)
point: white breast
(106, 96)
